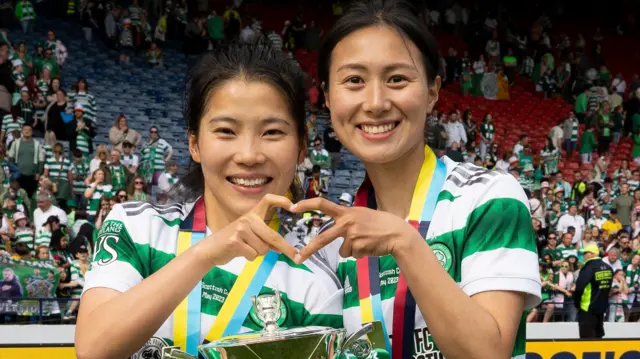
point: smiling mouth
(250, 182)
(378, 129)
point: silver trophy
(297, 343)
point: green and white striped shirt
(88, 103)
(82, 142)
(43, 237)
(80, 171)
(58, 169)
(48, 152)
(25, 236)
(94, 202)
(156, 152)
(574, 129)
(481, 233)
(77, 276)
(9, 125)
(487, 130)
(139, 238)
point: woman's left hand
(366, 232)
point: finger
(270, 201)
(271, 238)
(245, 250)
(252, 240)
(327, 207)
(320, 241)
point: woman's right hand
(248, 236)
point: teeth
(378, 129)
(249, 182)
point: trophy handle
(366, 329)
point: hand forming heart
(249, 236)
(366, 232)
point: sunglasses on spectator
(122, 196)
(564, 266)
(552, 237)
(153, 131)
(139, 182)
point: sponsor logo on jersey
(152, 349)
(443, 254)
(347, 286)
(283, 313)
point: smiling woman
(180, 274)
(435, 250)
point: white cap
(346, 197)
(16, 62)
(79, 107)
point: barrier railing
(567, 311)
(20, 310)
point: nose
(377, 101)
(249, 154)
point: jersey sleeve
(116, 263)
(499, 247)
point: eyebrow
(388, 68)
(264, 121)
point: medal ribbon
(186, 326)
(423, 203)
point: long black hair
(259, 62)
(397, 14)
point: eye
(274, 132)
(224, 131)
(397, 79)
(354, 80)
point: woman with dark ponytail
(245, 118)
(445, 251)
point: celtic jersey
(139, 238)
(482, 235)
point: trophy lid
(266, 337)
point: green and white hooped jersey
(156, 153)
(43, 237)
(25, 236)
(58, 169)
(138, 238)
(8, 125)
(482, 234)
(77, 276)
(94, 202)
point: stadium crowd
(57, 187)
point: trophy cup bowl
(296, 343)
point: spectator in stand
(79, 173)
(551, 157)
(120, 132)
(570, 132)
(57, 48)
(605, 124)
(27, 154)
(587, 145)
(10, 123)
(333, 146)
(312, 37)
(96, 190)
(25, 14)
(58, 170)
(455, 130)
(168, 178)
(314, 184)
(125, 42)
(635, 154)
(572, 219)
(618, 123)
(454, 153)
(215, 29)
(487, 133)
(568, 246)
(45, 210)
(155, 152)
(111, 27)
(619, 294)
(320, 157)
(598, 219)
(129, 159)
(470, 127)
(80, 95)
(519, 146)
(592, 293)
(345, 199)
(612, 225)
(153, 56)
(43, 236)
(633, 277)
(479, 67)
(100, 160)
(613, 259)
(118, 172)
(579, 188)
(138, 190)
(624, 205)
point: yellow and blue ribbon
(423, 203)
(238, 303)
